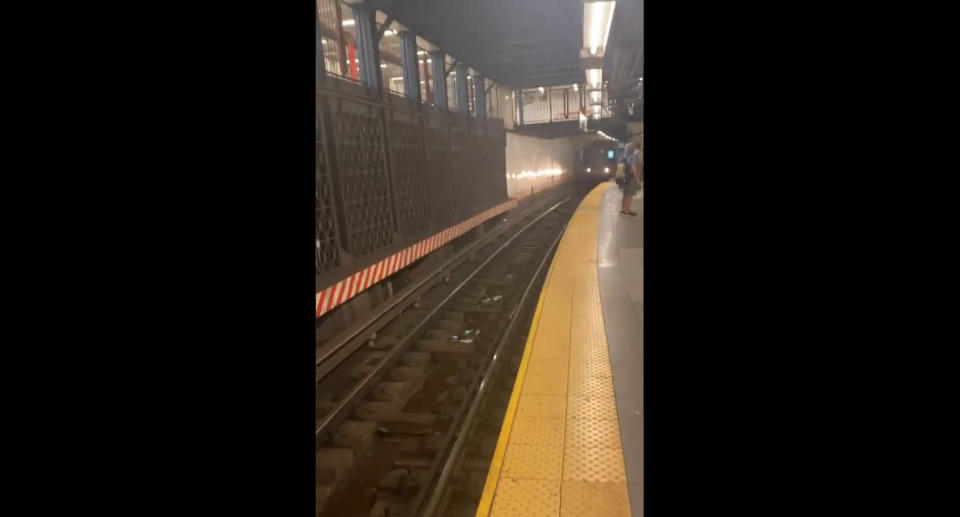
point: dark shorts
(630, 189)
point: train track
(409, 400)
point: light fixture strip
(606, 28)
(597, 19)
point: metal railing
(560, 104)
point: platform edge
(496, 464)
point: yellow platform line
(496, 464)
(583, 490)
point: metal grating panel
(364, 184)
(327, 240)
(386, 174)
(442, 185)
(494, 167)
(411, 196)
(463, 171)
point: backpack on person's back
(621, 174)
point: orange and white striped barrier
(356, 283)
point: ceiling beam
(509, 42)
(383, 28)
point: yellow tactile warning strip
(559, 451)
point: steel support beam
(460, 85)
(411, 69)
(341, 40)
(383, 28)
(550, 103)
(518, 94)
(367, 48)
(321, 69)
(480, 97)
(439, 79)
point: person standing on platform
(631, 180)
(639, 154)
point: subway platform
(571, 443)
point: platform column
(411, 69)
(518, 94)
(321, 64)
(463, 105)
(439, 78)
(480, 97)
(368, 52)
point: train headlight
(588, 169)
(606, 169)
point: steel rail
(394, 353)
(454, 453)
(345, 337)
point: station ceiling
(517, 43)
(524, 43)
(623, 61)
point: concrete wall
(540, 163)
(635, 130)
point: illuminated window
(335, 23)
(354, 71)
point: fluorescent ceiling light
(597, 18)
(347, 23)
(576, 88)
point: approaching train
(598, 160)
